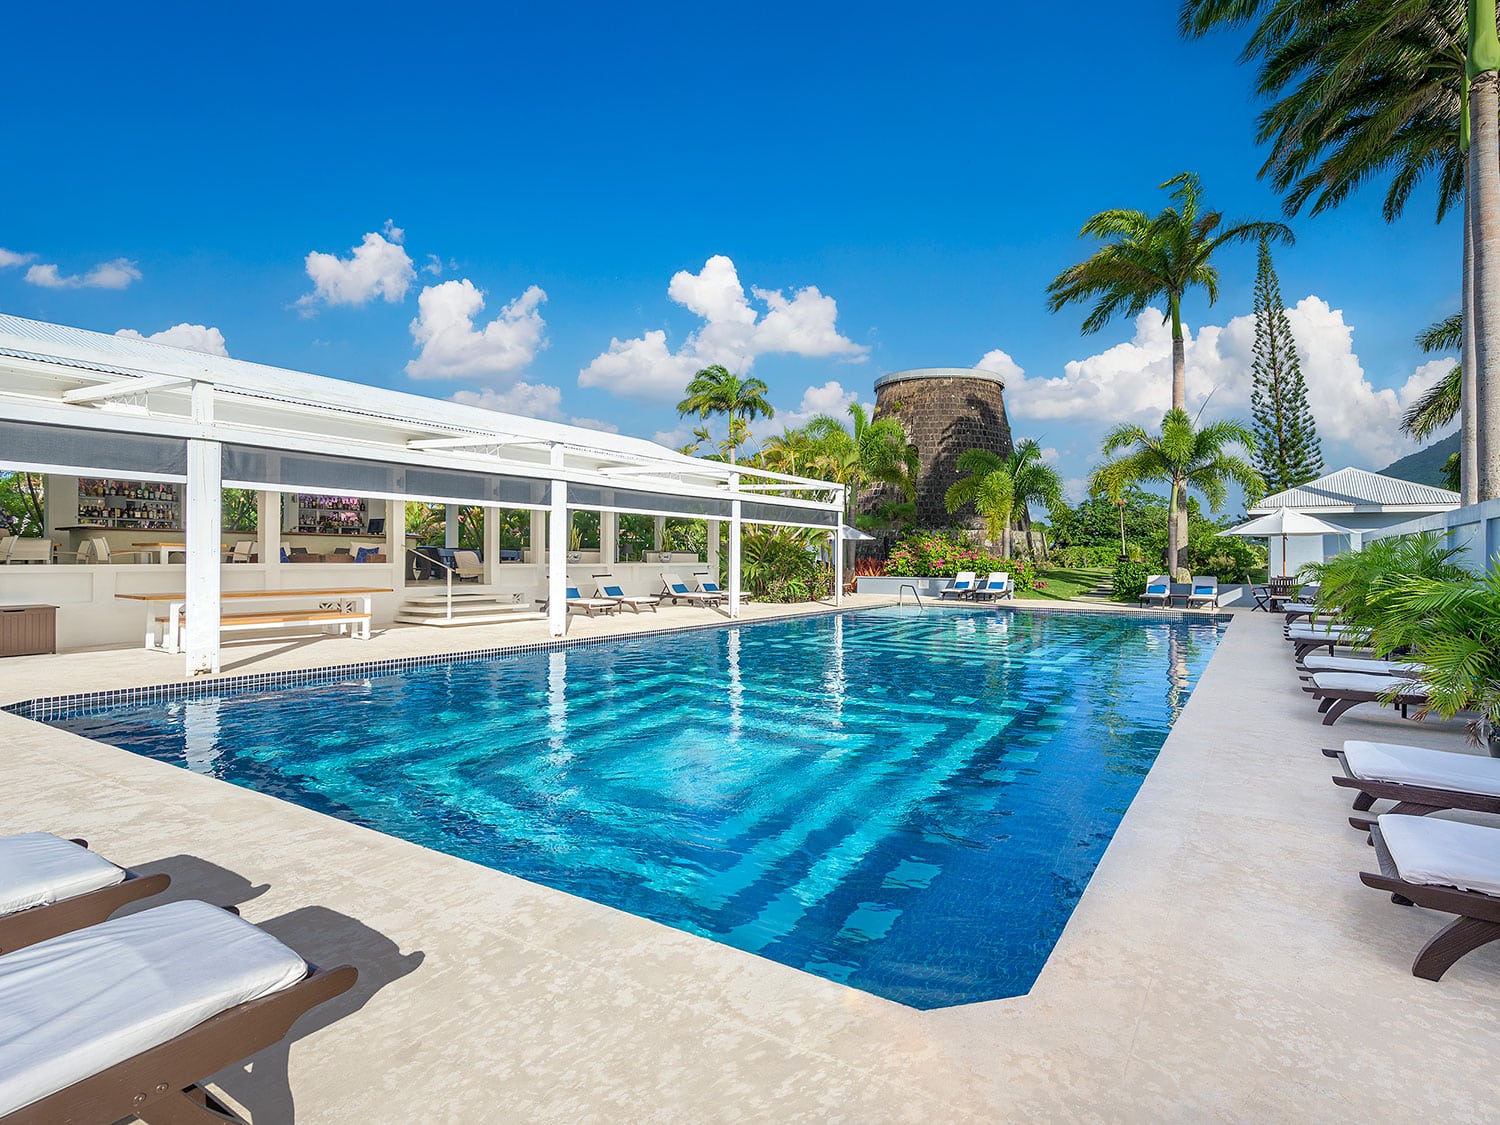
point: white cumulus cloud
(531, 400)
(378, 267)
(733, 333)
(453, 348)
(193, 337)
(829, 398)
(116, 274)
(1357, 422)
(9, 258)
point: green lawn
(1065, 584)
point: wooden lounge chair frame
(1416, 800)
(1331, 706)
(160, 1085)
(27, 927)
(1477, 924)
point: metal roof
(1359, 489)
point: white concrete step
(469, 608)
(459, 619)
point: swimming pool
(910, 803)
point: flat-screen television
(377, 526)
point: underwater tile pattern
(907, 802)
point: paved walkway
(1224, 964)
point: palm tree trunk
(1174, 538)
(1484, 153)
(1468, 451)
(1177, 510)
(1005, 540)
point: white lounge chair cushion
(1362, 664)
(77, 1004)
(1360, 681)
(1299, 607)
(37, 869)
(1444, 853)
(1417, 765)
(1301, 632)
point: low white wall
(1474, 530)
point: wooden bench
(282, 619)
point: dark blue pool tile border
(52, 707)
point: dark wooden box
(28, 630)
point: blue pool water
(909, 803)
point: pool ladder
(901, 595)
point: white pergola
(89, 404)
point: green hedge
(1130, 580)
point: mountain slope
(1425, 466)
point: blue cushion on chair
(284, 556)
(364, 553)
(1156, 589)
(1203, 589)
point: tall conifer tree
(1288, 453)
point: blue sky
(817, 195)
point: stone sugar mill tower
(946, 410)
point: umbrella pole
(1283, 554)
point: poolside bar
(138, 442)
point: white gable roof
(1351, 490)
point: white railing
(448, 576)
(1474, 530)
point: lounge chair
(606, 587)
(1294, 610)
(961, 587)
(1337, 692)
(49, 886)
(1445, 865)
(1362, 664)
(591, 606)
(23, 550)
(1205, 591)
(467, 567)
(676, 589)
(996, 586)
(1307, 639)
(1158, 591)
(1419, 780)
(126, 1017)
(707, 586)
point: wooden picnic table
(171, 640)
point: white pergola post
(713, 548)
(538, 542)
(735, 510)
(609, 540)
(268, 528)
(395, 539)
(203, 512)
(491, 545)
(658, 533)
(557, 553)
(450, 525)
(838, 568)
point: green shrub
(781, 564)
(1087, 556)
(1130, 580)
(936, 554)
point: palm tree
(714, 390)
(876, 452)
(1151, 259)
(1002, 489)
(1363, 89)
(1156, 259)
(1443, 402)
(1181, 456)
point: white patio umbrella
(1284, 522)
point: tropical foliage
(22, 504)
(1182, 456)
(715, 391)
(1002, 489)
(1443, 402)
(1287, 452)
(938, 554)
(1410, 595)
(782, 564)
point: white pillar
(659, 533)
(268, 529)
(838, 567)
(203, 510)
(538, 546)
(450, 525)
(735, 510)
(491, 545)
(609, 540)
(557, 554)
(395, 539)
(713, 548)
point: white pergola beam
(102, 392)
(203, 508)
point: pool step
(468, 609)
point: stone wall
(945, 415)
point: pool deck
(1224, 964)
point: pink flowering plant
(936, 554)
